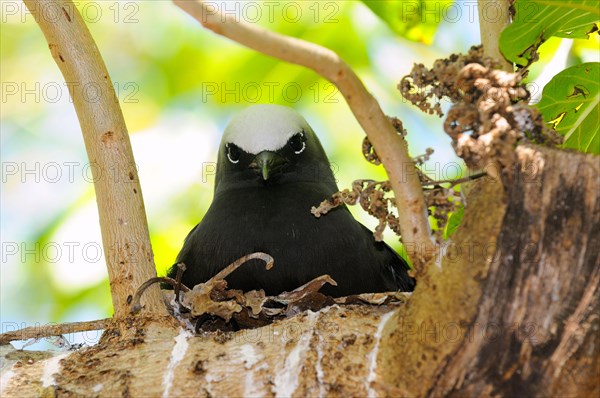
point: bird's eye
(298, 143)
(233, 153)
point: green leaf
(570, 102)
(413, 20)
(537, 20)
(453, 222)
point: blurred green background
(178, 85)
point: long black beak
(268, 163)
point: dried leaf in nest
(265, 310)
(312, 301)
(254, 300)
(374, 298)
(213, 297)
(301, 292)
(200, 300)
(306, 297)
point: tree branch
(37, 332)
(493, 18)
(125, 235)
(389, 145)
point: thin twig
(454, 182)
(38, 332)
(389, 145)
(180, 270)
(135, 301)
(237, 263)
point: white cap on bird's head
(264, 127)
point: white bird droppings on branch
(5, 379)
(179, 350)
(286, 380)
(372, 358)
(51, 367)
(249, 358)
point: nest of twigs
(212, 306)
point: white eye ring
(228, 151)
(301, 149)
(302, 140)
(231, 160)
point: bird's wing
(396, 263)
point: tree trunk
(510, 308)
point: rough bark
(332, 352)
(542, 289)
(509, 310)
(521, 319)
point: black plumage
(271, 170)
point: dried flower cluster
(372, 197)
(367, 148)
(369, 152)
(489, 115)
